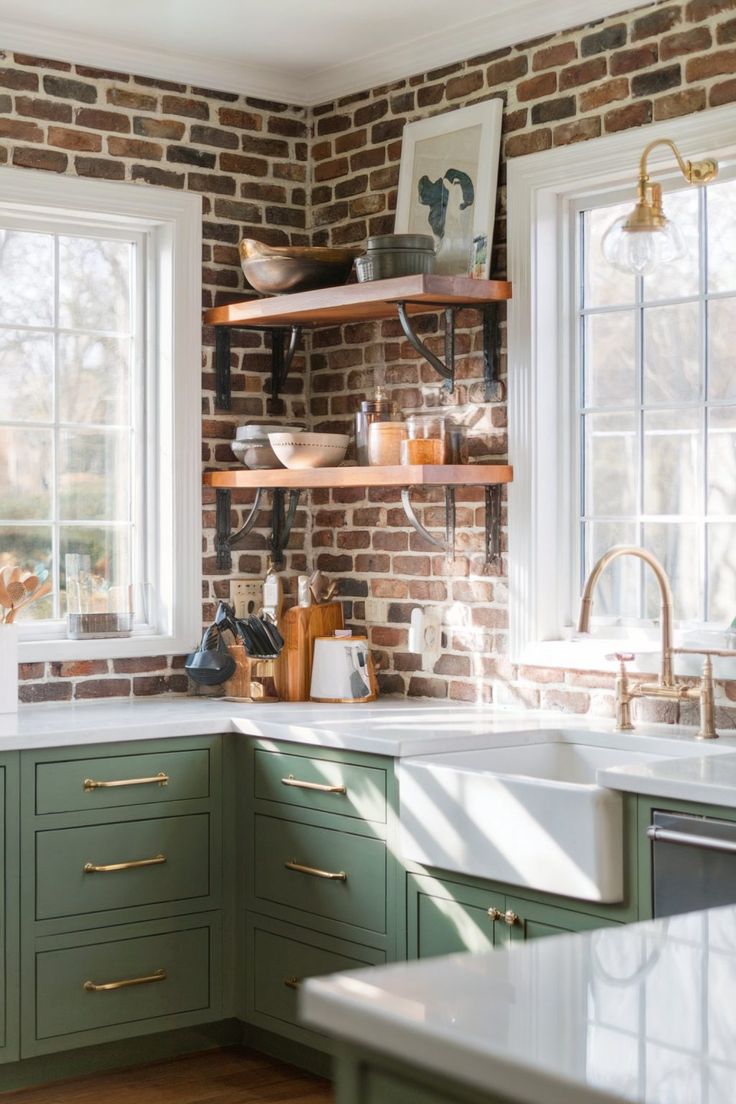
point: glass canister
(456, 443)
(385, 441)
(425, 440)
(378, 409)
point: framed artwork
(447, 185)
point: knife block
(252, 680)
(300, 627)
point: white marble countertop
(641, 1014)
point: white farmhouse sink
(529, 814)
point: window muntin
(72, 424)
(656, 413)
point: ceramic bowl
(309, 450)
(277, 270)
(253, 448)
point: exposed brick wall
(330, 174)
(652, 64)
(248, 159)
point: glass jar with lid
(425, 440)
(377, 409)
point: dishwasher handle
(687, 839)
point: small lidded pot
(378, 409)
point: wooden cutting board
(300, 627)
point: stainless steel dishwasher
(693, 863)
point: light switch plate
(246, 595)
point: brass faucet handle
(727, 653)
(622, 657)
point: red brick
(531, 142)
(29, 158)
(543, 85)
(50, 110)
(158, 128)
(579, 130)
(725, 33)
(602, 94)
(15, 128)
(19, 79)
(239, 163)
(566, 701)
(698, 10)
(74, 139)
(679, 103)
(31, 671)
(78, 668)
(430, 95)
(722, 93)
(149, 174)
(76, 90)
(686, 42)
(329, 170)
(134, 147)
(633, 115)
(34, 692)
(463, 86)
(235, 117)
(181, 105)
(103, 688)
(98, 119)
(711, 65)
(656, 22)
(99, 167)
(627, 61)
(550, 56)
(510, 69)
(585, 72)
(42, 63)
(134, 101)
(421, 687)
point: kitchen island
(637, 1014)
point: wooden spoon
(16, 592)
(39, 592)
(30, 583)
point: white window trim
(540, 189)
(174, 220)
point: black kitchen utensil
(211, 664)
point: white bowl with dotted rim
(309, 450)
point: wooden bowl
(277, 270)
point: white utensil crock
(8, 668)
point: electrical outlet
(375, 611)
(246, 595)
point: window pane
(26, 278)
(610, 359)
(29, 547)
(679, 278)
(109, 552)
(94, 379)
(722, 462)
(605, 286)
(26, 376)
(26, 473)
(721, 346)
(672, 368)
(672, 463)
(721, 200)
(94, 284)
(617, 593)
(94, 475)
(722, 572)
(677, 547)
(610, 464)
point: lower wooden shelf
(412, 475)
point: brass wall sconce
(645, 239)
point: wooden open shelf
(367, 302)
(414, 475)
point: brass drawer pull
(135, 864)
(161, 779)
(293, 982)
(321, 786)
(108, 986)
(340, 876)
(509, 917)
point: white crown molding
(509, 24)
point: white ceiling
(299, 51)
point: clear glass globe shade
(642, 252)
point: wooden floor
(232, 1076)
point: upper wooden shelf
(412, 475)
(366, 302)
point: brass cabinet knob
(509, 917)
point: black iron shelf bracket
(284, 344)
(282, 521)
(446, 369)
(492, 547)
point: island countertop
(637, 1014)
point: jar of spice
(378, 409)
(385, 440)
(425, 440)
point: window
(656, 412)
(99, 434)
(622, 400)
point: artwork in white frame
(447, 185)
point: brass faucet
(666, 687)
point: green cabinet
(9, 909)
(364, 1077)
(121, 897)
(445, 916)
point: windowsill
(142, 644)
(589, 654)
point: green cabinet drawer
(535, 921)
(282, 956)
(66, 886)
(445, 917)
(105, 782)
(341, 876)
(348, 789)
(79, 988)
